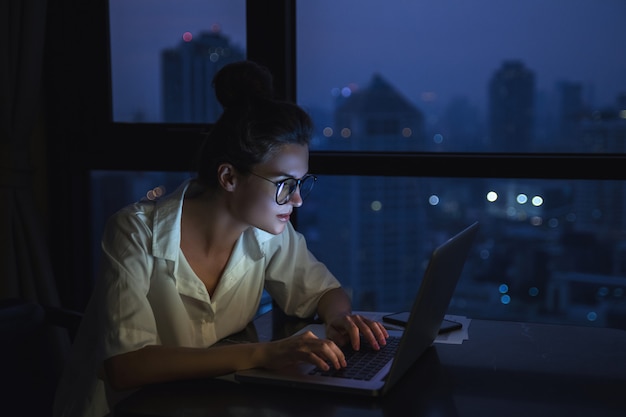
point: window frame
(271, 41)
(85, 139)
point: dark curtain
(25, 267)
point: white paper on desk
(455, 337)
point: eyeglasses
(285, 188)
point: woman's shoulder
(132, 221)
(141, 211)
(145, 210)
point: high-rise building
(378, 117)
(187, 75)
(571, 111)
(511, 108)
(373, 221)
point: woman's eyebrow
(287, 176)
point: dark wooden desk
(504, 369)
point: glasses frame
(279, 184)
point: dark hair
(253, 124)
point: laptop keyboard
(363, 364)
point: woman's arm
(335, 309)
(334, 303)
(153, 364)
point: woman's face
(255, 197)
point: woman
(185, 271)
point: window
(471, 79)
(163, 56)
(453, 76)
(544, 251)
(424, 124)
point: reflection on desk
(504, 369)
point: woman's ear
(227, 176)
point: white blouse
(149, 295)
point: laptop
(404, 347)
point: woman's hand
(305, 347)
(348, 328)
(343, 327)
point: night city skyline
(454, 47)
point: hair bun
(240, 82)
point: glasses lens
(285, 189)
(306, 185)
(288, 187)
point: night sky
(434, 50)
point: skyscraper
(373, 220)
(187, 73)
(571, 111)
(378, 117)
(511, 107)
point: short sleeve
(294, 277)
(127, 266)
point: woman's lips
(284, 217)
